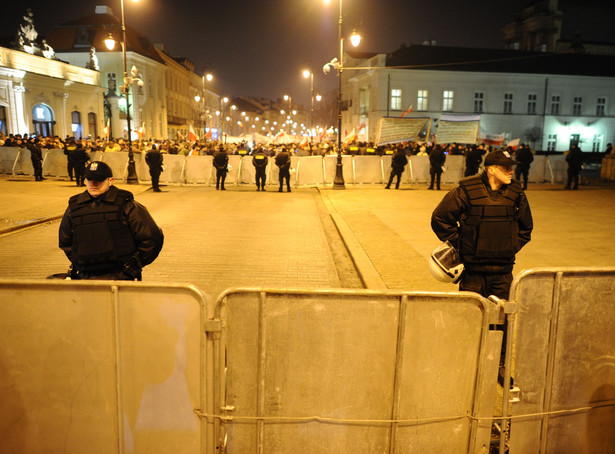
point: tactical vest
(489, 229)
(102, 242)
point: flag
(493, 139)
(192, 135)
(140, 132)
(303, 142)
(107, 129)
(350, 137)
(407, 111)
(513, 144)
(209, 135)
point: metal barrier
(353, 371)
(102, 367)
(564, 361)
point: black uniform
(109, 237)
(69, 151)
(282, 160)
(574, 158)
(154, 159)
(398, 163)
(221, 165)
(259, 160)
(473, 158)
(524, 157)
(80, 157)
(437, 158)
(36, 156)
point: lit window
(555, 105)
(422, 100)
(395, 99)
(551, 142)
(447, 100)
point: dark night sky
(259, 48)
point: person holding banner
(398, 163)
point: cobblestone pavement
(240, 237)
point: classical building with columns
(46, 96)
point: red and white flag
(350, 137)
(209, 135)
(107, 129)
(303, 142)
(192, 135)
(513, 144)
(407, 111)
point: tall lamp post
(128, 81)
(309, 74)
(201, 97)
(355, 39)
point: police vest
(489, 228)
(102, 242)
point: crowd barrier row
(122, 367)
(307, 170)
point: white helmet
(445, 264)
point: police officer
(80, 157)
(524, 157)
(69, 151)
(105, 233)
(282, 160)
(574, 158)
(36, 156)
(437, 158)
(154, 159)
(487, 218)
(398, 162)
(259, 161)
(473, 158)
(221, 165)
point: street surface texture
(244, 238)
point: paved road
(241, 237)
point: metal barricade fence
(103, 367)
(564, 361)
(353, 371)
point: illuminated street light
(128, 81)
(197, 98)
(355, 39)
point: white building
(48, 97)
(546, 99)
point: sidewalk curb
(367, 272)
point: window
(92, 129)
(555, 105)
(508, 102)
(478, 101)
(577, 103)
(597, 143)
(601, 107)
(422, 100)
(531, 103)
(447, 100)
(395, 99)
(551, 142)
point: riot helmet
(445, 264)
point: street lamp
(128, 81)
(201, 97)
(309, 74)
(355, 39)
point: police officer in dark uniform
(221, 165)
(282, 160)
(487, 218)
(154, 159)
(69, 150)
(398, 162)
(473, 158)
(36, 156)
(80, 157)
(574, 158)
(524, 157)
(105, 233)
(437, 158)
(259, 161)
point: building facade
(48, 97)
(546, 99)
